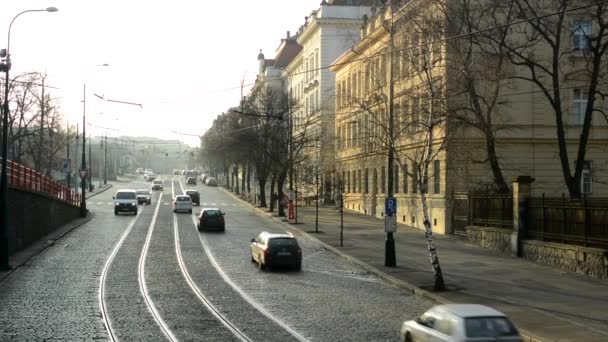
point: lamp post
(6, 66)
(390, 258)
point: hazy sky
(177, 58)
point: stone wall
(32, 215)
(497, 239)
(584, 260)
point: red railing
(22, 177)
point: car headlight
(131, 203)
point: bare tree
(561, 45)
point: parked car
(144, 196)
(191, 181)
(195, 196)
(204, 177)
(271, 250)
(125, 200)
(211, 219)
(140, 171)
(460, 323)
(182, 203)
(157, 184)
(211, 181)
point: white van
(125, 200)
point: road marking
(97, 203)
(109, 203)
(166, 203)
(142, 277)
(104, 273)
(242, 293)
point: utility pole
(101, 164)
(389, 248)
(76, 148)
(67, 176)
(105, 162)
(83, 169)
(90, 165)
(41, 138)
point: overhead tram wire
(413, 47)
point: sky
(182, 60)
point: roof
(126, 190)
(468, 310)
(191, 190)
(205, 209)
(182, 196)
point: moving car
(140, 171)
(157, 184)
(191, 181)
(144, 196)
(125, 200)
(182, 203)
(270, 250)
(211, 219)
(149, 177)
(460, 323)
(195, 196)
(211, 181)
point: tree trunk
(248, 178)
(236, 179)
(280, 184)
(428, 233)
(243, 179)
(499, 179)
(262, 181)
(272, 194)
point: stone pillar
(522, 188)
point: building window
(579, 105)
(436, 177)
(586, 180)
(375, 182)
(348, 181)
(359, 179)
(396, 178)
(405, 181)
(366, 180)
(355, 181)
(383, 180)
(581, 44)
(415, 179)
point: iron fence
(578, 222)
(22, 177)
(491, 210)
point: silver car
(460, 323)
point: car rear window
(212, 213)
(282, 242)
(158, 182)
(489, 327)
(142, 192)
(183, 199)
(126, 195)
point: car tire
(260, 264)
(190, 211)
(135, 213)
(174, 211)
(298, 267)
(115, 212)
(252, 258)
(408, 337)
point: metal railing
(25, 178)
(578, 222)
(491, 210)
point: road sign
(83, 173)
(65, 165)
(390, 206)
(390, 224)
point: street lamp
(6, 66)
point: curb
(403, 285)
(101, 191)
(43, 244)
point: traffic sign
(390, 206)
(83, 173)
(65, 165)
(390, 224)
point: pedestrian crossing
(203, 204)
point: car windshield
(191, 192)
(143, 192)
(489, 327)
(282, 242)
(125, 195)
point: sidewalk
(546, 304)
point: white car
(182, 203)
(149, 177)
(125, 200)
(144, 196)
(460, 323)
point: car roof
(191, 190)
(158, 180)
(143, 190)
(182, 196)
(209, 209)
(468, 310)
(125, 190)
(277, 235)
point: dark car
(195, 196)
(191, 181)
(211, 181)
(211, 219)
(271, 250)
